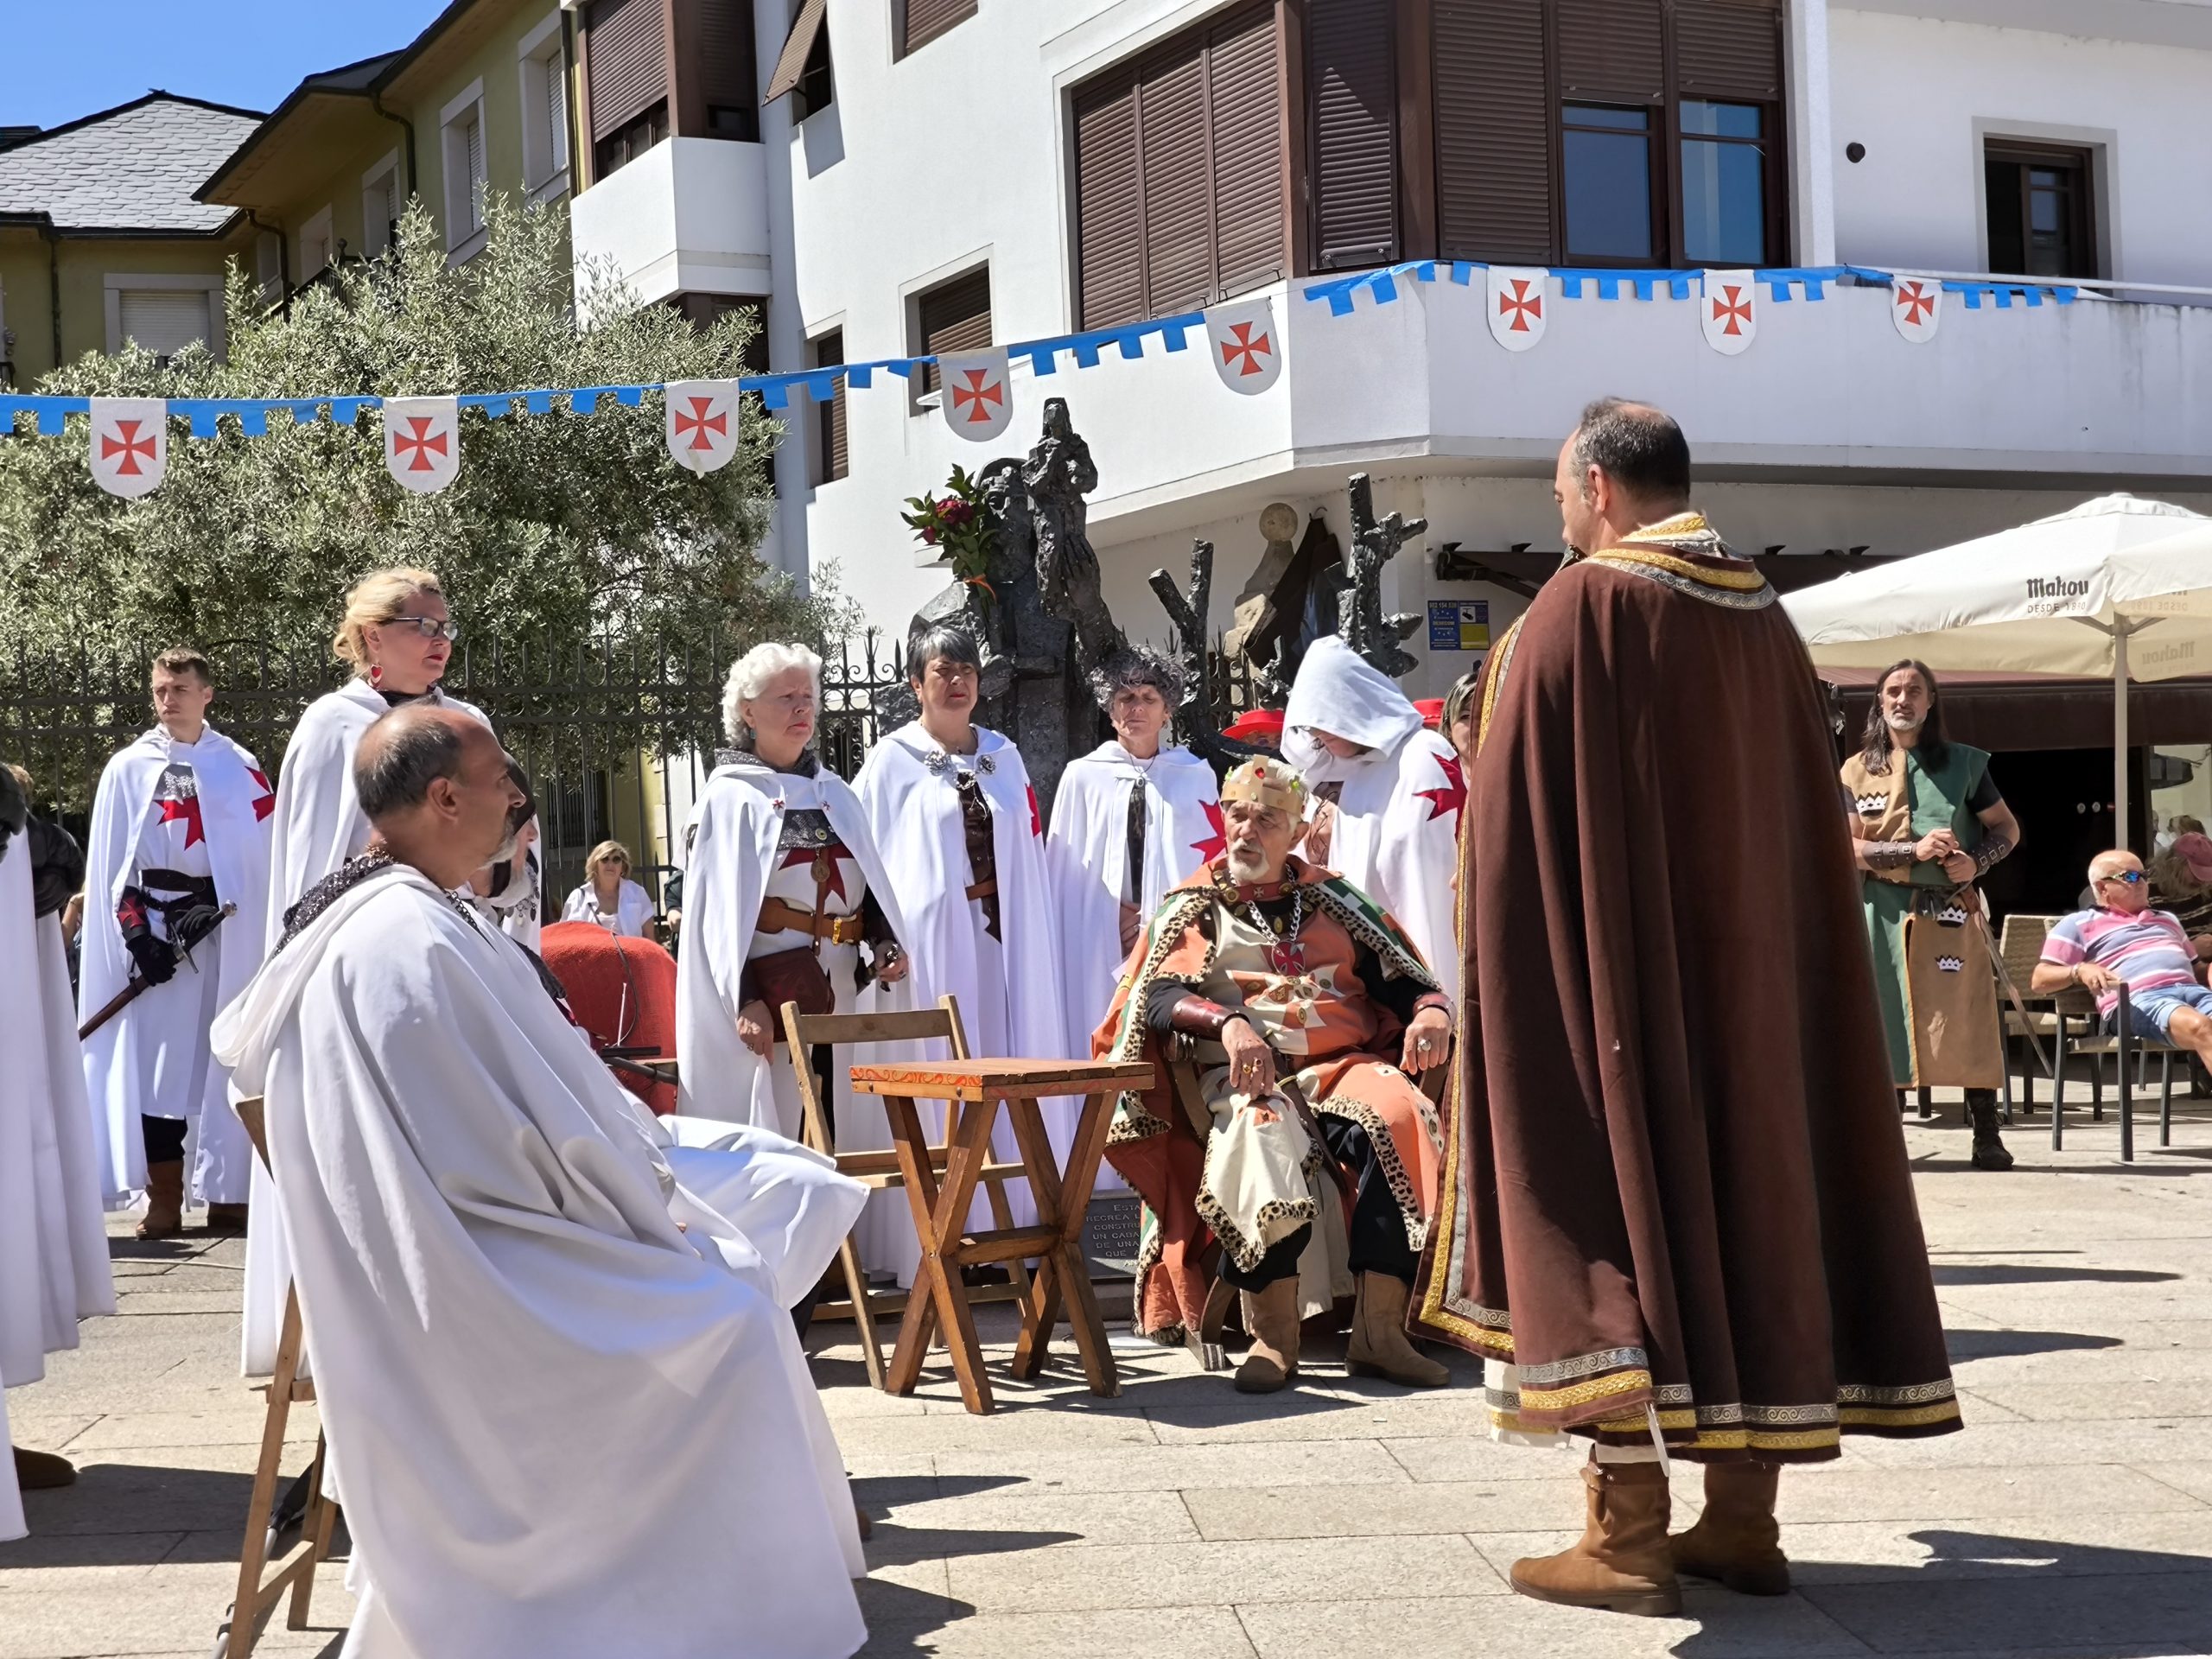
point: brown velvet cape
(1674, 1174)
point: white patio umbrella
(2119, 588)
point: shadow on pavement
(128, 1514)
(2003, 1345)
(2022, 1272)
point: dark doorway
(2062, 798)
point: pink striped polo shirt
(2147, 950)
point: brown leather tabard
(983, 852)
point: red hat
(1430, 710)
(1257, 726)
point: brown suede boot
(1737, 1539)
(228, 1219)
(1271, 1316)
(164, 1200)
(1621, 1564)
(41, 1471)
(1379, 1346)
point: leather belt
(776, 917)
(984, 889)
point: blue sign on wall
(1458, 625)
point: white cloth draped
(560, 1428)
(1009, 991)
(633, 908)
(164, 1032)
(318, 826)
(1088, 852)
(1396, 836)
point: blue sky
(67, 58)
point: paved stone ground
(2073, 1517)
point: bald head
(2116, 880)
(1626, 465)
(434, 784)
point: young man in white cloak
(567, 1414)
(1398, 787)
(54, 1260)
(1132, 819)
(950, 810)
(179, 836)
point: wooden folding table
(1055, 1243)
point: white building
(929, 174)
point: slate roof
(133, 167)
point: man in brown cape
(1676, 1205)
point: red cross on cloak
(1036, 819)
(698, 423)
(127, 443)
(186, 812)
(1522, 304)
(799, 857)
(1452, 795)
(1216, 843)
(264, 803)
(421, 441)
(1732, 305)
(1246, 346)
(968, 401)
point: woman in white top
(608, 898)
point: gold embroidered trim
(1741, 582)
(1536, 1377)
(1898, 1417)
(1916, 1394)
(1600, 1387)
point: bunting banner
(1517, 308)
(701, 420)
(1730, 311)
(1244, 345)
(129, 444)
(977, 401)
(1916, 306)
(422, 442)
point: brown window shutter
(1728, 49)
(829, 350)
(921, 22)
(809, 34)
(1171, 132)
(627, 58)
(1244, 102)
(955, 317)
(1110, 204)
(729, 71)
(1352, 130)
(1611, 49)
(1493, 130)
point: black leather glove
(154, 958)
(14, 810)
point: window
(318, 252)
(625, 77)
(1180, 174)
(728, 72)
(702, 311)
(803, 67)
(2041, 222)
(920, 21)
(381, 206)
(1605, 165)
(269, 266)
(1724, 183)
(832, 455)
(954, 316)
(164, 314)
(543, 69)
(462, 127)
(1352, 126)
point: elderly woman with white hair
(785, 901)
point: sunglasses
(2134, 878)
(431, 626)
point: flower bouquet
(956, 522)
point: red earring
(376, 676)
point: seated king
(1304, 1007)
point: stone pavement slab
(1347, 1518)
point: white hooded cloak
(563, 1426)
(1396, 837)
(123, 1055)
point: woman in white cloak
(953, 816)
(1132, 819)
(788, 902)
(1400, 789)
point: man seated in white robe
(561, 1423)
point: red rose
(928, 535)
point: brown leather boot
(1271, 1316)
(164, 1200)
(1379, 1346)
(1737, 1539)
(1621, 1564)
(41, 1471)
(226, 1218)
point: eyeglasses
(431, 628)
(2134, 878)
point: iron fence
(617, 737)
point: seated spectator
(2181, 878)
(608, 898)
(2123, 941)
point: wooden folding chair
(258, 1591)
(880, 1171)
(2020, 944)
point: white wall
(1911, 89)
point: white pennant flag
(1730, 310)
(1519, 305)
(1916, 306)
(702, 422)
(130, 443)
(1245, 345)
(422, 442)
(977, 401)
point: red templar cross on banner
(1731, 310)
(699, 424)
(129, 446)
(422, 441)
(1245, 348)
(1519, 305)
(977, 399)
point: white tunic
(200, 809)
(563, 1427)
(1397, 828)
(633, 909)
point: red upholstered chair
(622, 992)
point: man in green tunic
(1927, 823)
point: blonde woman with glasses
(608, 898)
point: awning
(799, 46)
(2009, 713)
